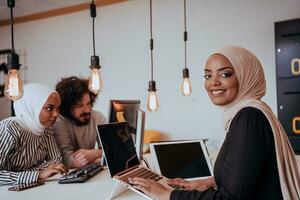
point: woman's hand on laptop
(199, 185)
(151, 188)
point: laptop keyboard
(143, 173)
(82, 174)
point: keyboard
(82, 174)
(146, 174)
(143, 173)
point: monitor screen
(188, 160)
(118, 147)
(125, 110)
(129, 110)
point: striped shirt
(23, 154)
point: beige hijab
(252, 87)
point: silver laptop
(121, 157)
(191, 161)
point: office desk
(96, 188)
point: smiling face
(221, 82)
(50, 110)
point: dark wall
(287, 50)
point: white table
(96, 188)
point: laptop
(189, 161)
(121, 157)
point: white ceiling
(27, 7)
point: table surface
(98, 187)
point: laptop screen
(181, 159)
(118, 147)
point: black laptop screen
(118, 147)
(184, 160)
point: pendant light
(95, 81)
(13, 84)
(152, 101)
(186, 88)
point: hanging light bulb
(95, 81)
(152, 100)
(13, 84)
(186, 87)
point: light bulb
(152, 101)
(13, 85)
(95, 82)
(186, 88)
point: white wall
(61, 46)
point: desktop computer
(129, 110)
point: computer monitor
(129, 110)
(124, 110)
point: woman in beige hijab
(256, 160)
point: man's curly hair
(71, 90)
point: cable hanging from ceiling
(185, 87)
(95, 80)
(13, 84)
(152, 101)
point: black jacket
(246, 167)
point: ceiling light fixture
(13, 84)
(186, 88)
(95, 81)
(152, 101)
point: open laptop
(121, 157)
(181, 159)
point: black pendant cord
(151, 41)
(94, 58)
(185, 37)
(93, 15)
(12, 30)
(94, 48)
(12, 58)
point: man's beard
(84, 122)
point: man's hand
(85, 156)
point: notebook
(181, 159)
(121, 157)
